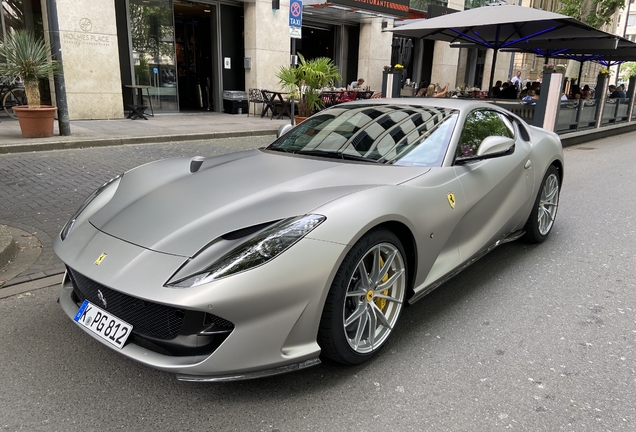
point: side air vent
(243, 232)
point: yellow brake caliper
(380, 302)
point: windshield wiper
(279, 149)
(335, 155)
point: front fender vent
(244, 232)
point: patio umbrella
(408, 51)
(502, 26)
(395, 51)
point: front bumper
(275, 309)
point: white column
(267, 42)
(374, 51)
(88, 34)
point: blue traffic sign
(296, 13)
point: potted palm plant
(27, 56)
(306, 81)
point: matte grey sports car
(259, 262)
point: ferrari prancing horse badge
(100, 259)
(451, 199)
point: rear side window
(523, 131)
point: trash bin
(235, 102)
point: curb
(8, 246)
(105, 142)
(46, 282)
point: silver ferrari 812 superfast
(262, 261)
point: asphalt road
(531, 338)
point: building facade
(189, 52)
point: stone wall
(88, 35)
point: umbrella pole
(492, 72)
(578, 82)
(494, 61)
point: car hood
(164, 207)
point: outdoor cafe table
(138, 110)
(273, 99)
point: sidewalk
(160, 128)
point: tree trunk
(32, 91)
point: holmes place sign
(84, 37)
(390, 7)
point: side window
(479, 125)
(523, 131)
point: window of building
(631, 20)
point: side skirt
(510, 237)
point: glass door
(153, 51)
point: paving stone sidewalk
(40, 190)
(160, 128)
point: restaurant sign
(399, 8)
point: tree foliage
(594, 13)
(628, 69)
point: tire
(545, 208)
(13, 97)
(368, 292)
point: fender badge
(100, 259)
(450, 197)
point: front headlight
(264, 247)
(69, 225)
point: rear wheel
(544, 209)
(13, 97)
(365, 299)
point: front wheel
(13, 97)
(545, 208)
(365, 299)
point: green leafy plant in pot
(27, 56)
(306, 81)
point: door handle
(528, 164)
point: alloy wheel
(374, 298)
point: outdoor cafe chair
(255, 96)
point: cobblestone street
(41, 190)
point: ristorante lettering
(385, 4)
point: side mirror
(283, 130)
(490, 147)
(495, 144)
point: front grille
(147, 318)
(163, 329)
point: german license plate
(105, 325)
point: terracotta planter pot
(299, 119)
(36, 122)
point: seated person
(508, 91)
(431, 91)
(496, 90)
(613, 92)
(526, 90)
(357, 84)
(586, 93)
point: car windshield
(383, 133)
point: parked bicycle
(11, 94)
